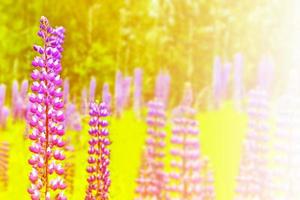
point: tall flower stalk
(185, 178)
(99, 154)
(253, 179)
(47, 117)
(152, 179)
(285, 159)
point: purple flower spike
(238, 87)
(162, 86)
(185, 178)
(253, 179)
(119, 93)
(24, 89)
(265, 73)
(47, 118)
(84, 102)
(92, 89)
(66, 91)
(225, 80)
(2, 95)
(106, 96)
(73, 118)
(285, 153)
(126, 91)
(152, 179)
(19, 100)
(16, 100)
(4, 111)
(99, 154)
(217, 81)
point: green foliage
(103, 36)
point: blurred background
(181, 36)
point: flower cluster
(98, 160)
(152, 178)
(185, 178)
(47, 117)
(253, 178)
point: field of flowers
(149, 100)
(128, 135)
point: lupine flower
(4, 111)
(24, 89)
(2, 95)
(225, 80)
(106, 96)
(15, 99)
(220, 79)
(4, 158)
(238, 80)
(119, 93)
(92, 89)
(24, 98)
(285, 160)
(122, 92)
(253, 178)
(185, 178)
(66, 88)
(84, 102)
(217, 81)
(4, 115)
(126, 91)
(265, 73)
(47, 117)
(162, 86)
(137, 100)
(99, 154)
(19, 100)
(73, 118)
(152, 179)
(208, 189)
